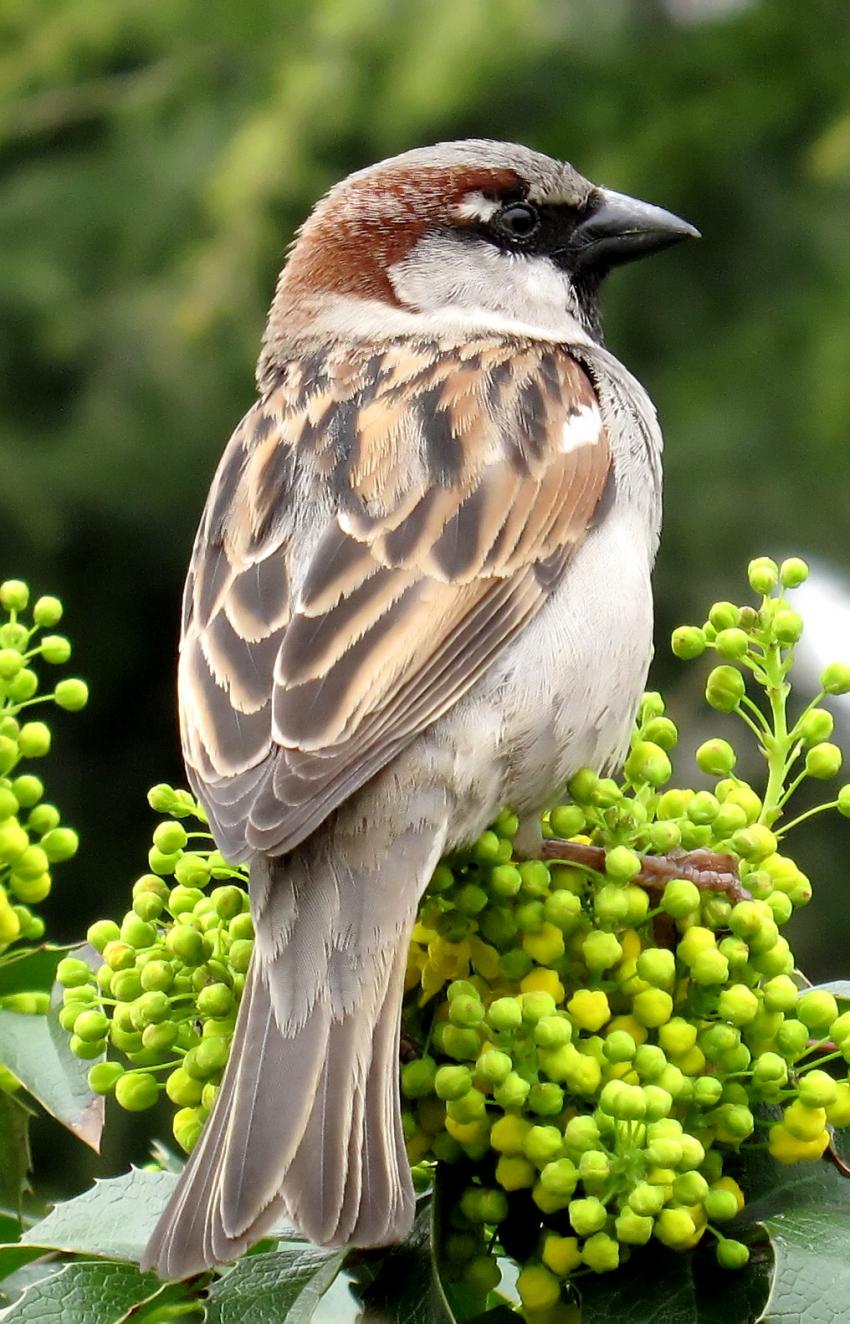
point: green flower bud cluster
(157, 1014)
(32, 836)
(597, 1039)
(600, 1041)
(760, 640)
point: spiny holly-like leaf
(275, 1287)
(805, 1210)
(666, 1287)
(14, 1149)
(811, 1281)
(37, 1050)
(115, 1218)
(773, 1187)
(44, 1063)
(89, 1292)
(25, 1277)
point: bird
(419, 593)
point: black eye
(518, 220)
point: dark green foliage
(157, 158)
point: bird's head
(476, 234)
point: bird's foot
(710, 871)
(528, 839)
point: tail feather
(191, 1234)
(386, 1207)
(306, 1122)
(305, 1125)
(269, 1107)
(349, 1181)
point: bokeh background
(155, 160)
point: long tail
(306, 1123)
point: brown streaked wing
(453, 487)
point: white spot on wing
(583, 428)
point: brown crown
(368, 224)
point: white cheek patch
(460, 284)
(475, 207)
(583, 428)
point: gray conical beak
(620, 229)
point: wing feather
(448, 492)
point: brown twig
(710, 871)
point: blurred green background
(155, 160)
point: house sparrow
(420, 592)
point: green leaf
(36, 1049)
(276, 1287)
(772, 1187)
(12, 1257)
(811, 1281)
(115, 1218)
(15, 1159)
(26, 1276)
(172, 1295)
(666, 1287)
(398, 1287)
(805, 1210)
(90, 1292)
(31, 970)
(10, 1226)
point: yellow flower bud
(508, 1133)
(485, 959)
(543, 981)
(561, 1254)
(788, 1148)
(589, 1009)
(538, 1288)
(452, 958)
(631, 1026)
(675, 1228)
(514, 1173)
(546, 945)
(466, 1133)
(802, 1122)
(631, 944)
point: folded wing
(381, 525)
